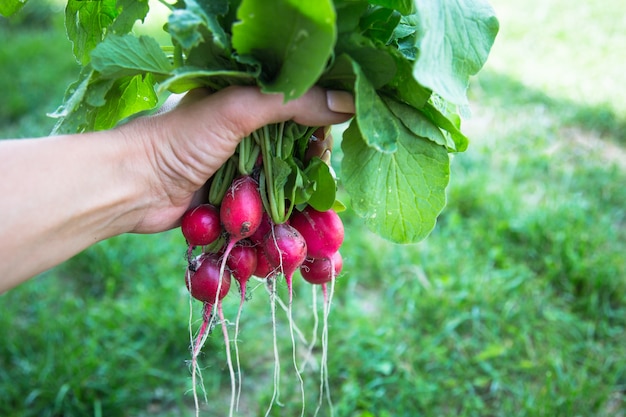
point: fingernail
(340, 101)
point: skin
(63, 194)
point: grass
(514, 306)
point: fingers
(317, 107)
(237, 111)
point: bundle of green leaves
(407, 63)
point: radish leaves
(302, 35)
(407, 63)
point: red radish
(263, 267)
(264, 227)
(286, 249)
(322, 230)
(241, 210)
(319, 271)
(242, 263)
(201, 225)
(207, 283)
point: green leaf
(120, 56)
(403, 85)
(325, 187)
(199, 22)
(88, 22)
(349, 14)
(71, 113)
(129, 12)
(403, 6)
(187, 78)
(374, 59)
(379, 127)
(183, 25)
(292, 39)
(418, 123)
(452, 127)
(379, 23)
(132, 95)
(10, 7)
(401, 194)
(455, 39)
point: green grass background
(514, 306)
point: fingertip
(339, 101)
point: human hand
(184, 146)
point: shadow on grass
(506, 92)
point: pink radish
(201, 225)
(204, 283)
(322, 230)
(263, 267)
(242, 263)
(208, 284)
(241, 210)
(286, 249)
(264, 227)
(320, 271)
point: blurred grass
(514, 306)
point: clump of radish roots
(235, 237)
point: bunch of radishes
(239, 238)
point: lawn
(514, 306)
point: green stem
(178, 55)
(244, 150)
(221, 181)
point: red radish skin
(201, 225)
(241, 210)
(264, 227)
(286, 249)
(322, 230)
(263, 267)
(320, 271)
(204, 282)
(242, 262)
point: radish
(263, 267)
(208, 284)
(319, 271)
(205, 282)
(241, 210)
(322, 230)
(242, 263)
(286, 250)
(201, 225)
(264, 227)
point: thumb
(237, 111)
